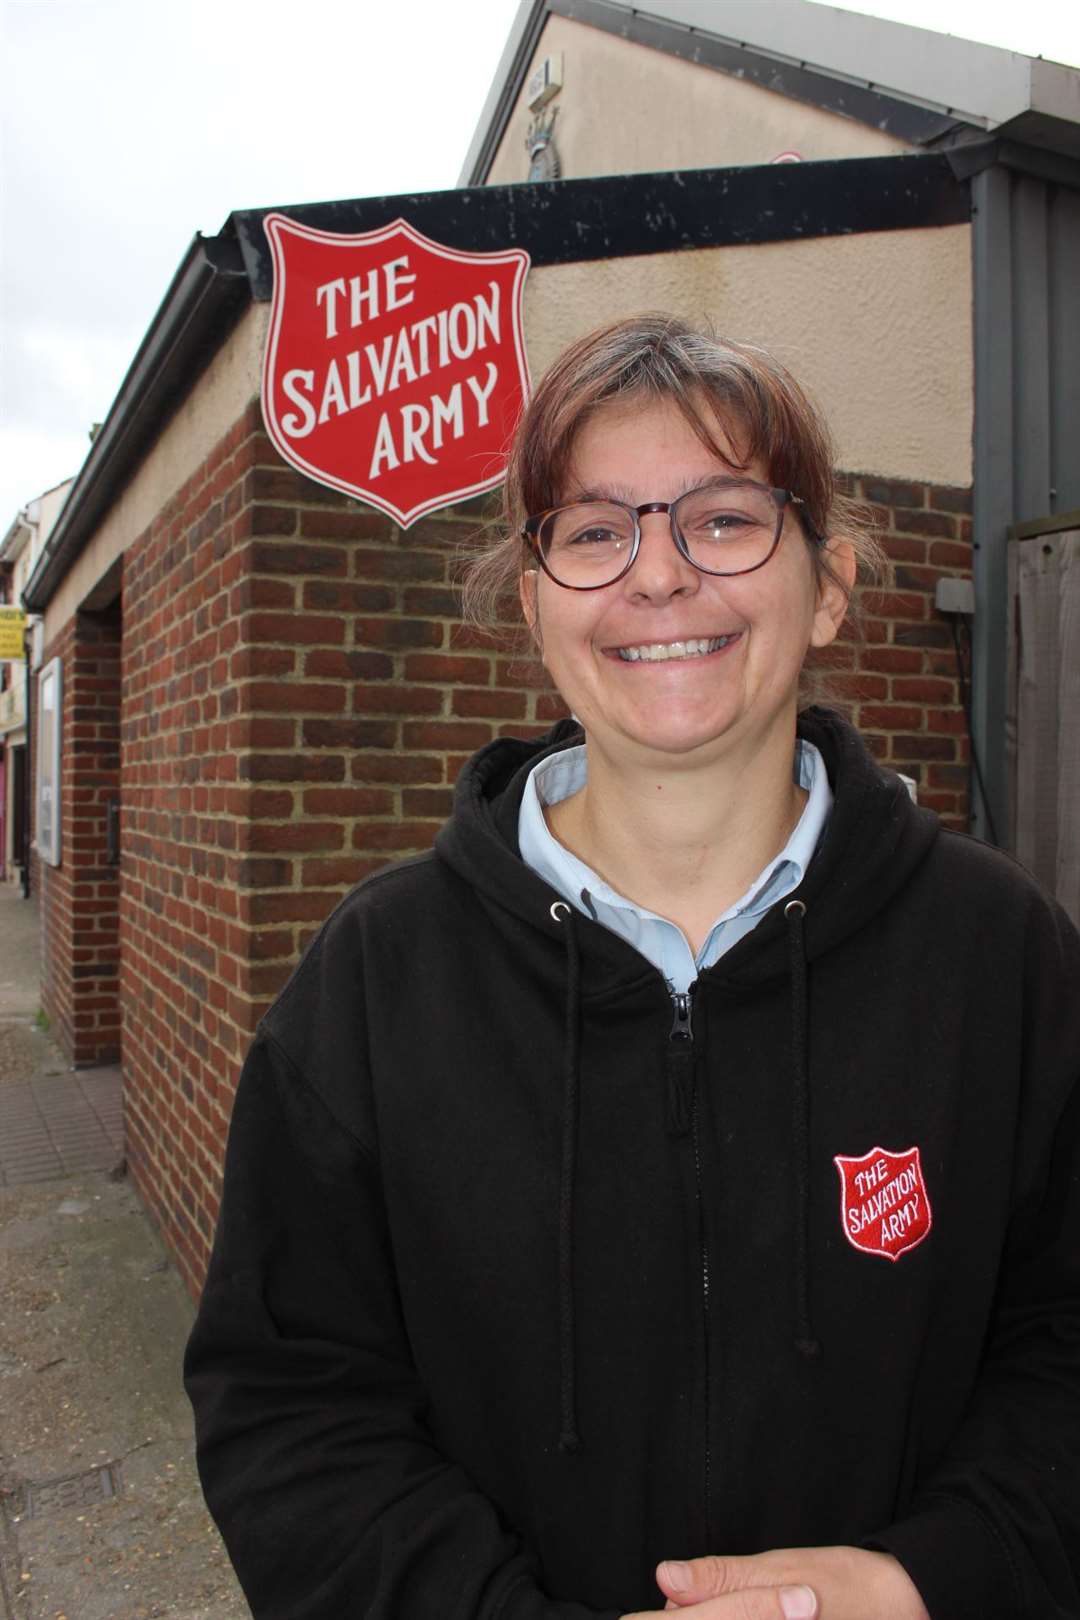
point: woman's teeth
(659, 652)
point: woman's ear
(835, 583)
(530, 604)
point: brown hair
(653, 357)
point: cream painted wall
(628, 109)
(217, 400)
(876, 327)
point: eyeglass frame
(782, 499)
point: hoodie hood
(874, 840)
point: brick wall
(298, 697)
(80, 897)
(898, 680)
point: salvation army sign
(395, 368)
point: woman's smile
(662, 652)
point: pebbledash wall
(294, 692)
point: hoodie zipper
(681, 1040)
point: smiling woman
(665, 1192)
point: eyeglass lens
(726, 530)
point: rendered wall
(878, 327)
(628, 109)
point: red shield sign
(884, 1205)
(395, 368)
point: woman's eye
(594, 536)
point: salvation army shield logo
(884, 1205)
(395, 368)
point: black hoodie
(528, 1276)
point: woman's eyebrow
(621, 493)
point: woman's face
(690, 708)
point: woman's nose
(660, 570)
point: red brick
(349, 733)
(893, 492)
(397, 768)
(470, 702)
(343, 596)
(266, 520)
(924, 689)
(890, 659)
(890, 716)
(299, 559)
(444, 667)
(348, 801)
(296, 629)
(442, 603)
(899, 605)
(413, 566)
(907, 747)
(274, 837)
(342, 872)
(951, 554)
(397, 699)
(935, 525)
(393, 835)
(348, 666)
(949, 498)
(365, 525)
(292, 768)
(293, 697)
(397, 633)
(427, 801)
(442, 734)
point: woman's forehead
(625, 441)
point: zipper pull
(680, 1064)
(682, 1022)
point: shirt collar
(562, 774)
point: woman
(678, 1165)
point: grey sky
(128, 125)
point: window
(48, 771)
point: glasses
(729, 526)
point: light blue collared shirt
(659, 940)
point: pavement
(101, 1516)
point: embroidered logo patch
(884, 1205)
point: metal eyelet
(794, 908)
(559, 910)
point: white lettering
(360, 295)
(384, 448)
(298, 427)
(488, 316)
(394, 272)
(333, 399)
(462, 347)
(328, 288)
(412, 436)
(482, 395)
(402, 361)
(448, 414)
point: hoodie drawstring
(569, 1439)
(794, 913)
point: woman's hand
(796, 1583)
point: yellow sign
(12, 626)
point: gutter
(206, 297)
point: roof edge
(206, 295)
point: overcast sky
(128, 125)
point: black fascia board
(863, 102)
(203, 302)
(617, 216)
(564, 222)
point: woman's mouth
(662, 652)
